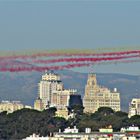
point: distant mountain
(24, 86)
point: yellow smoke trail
(66, 51)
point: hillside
(24, 86)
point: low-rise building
(38, 104)
(62, 112)
(10, 106)
(74, 134)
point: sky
(59, 24)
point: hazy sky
(60, 24)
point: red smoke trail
(18, 68)
(11, 63)
(68, 66)
(116, 62)
(83, 59)
(33, 56)
(15, 63)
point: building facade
(97, 96)
(53, 94)
(10, 106)
(50, 82)
(38, 104)
(134, 107)
(61, 98)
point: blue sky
(55, 24)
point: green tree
(135, 120)
(105, 110)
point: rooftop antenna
(91, 69)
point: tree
(77, 109)
(105, 110)
(121, 114)
(135, 120)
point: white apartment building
(50, 82)
(134, 107)
(52, 92)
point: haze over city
(69, 70)
(29, 25)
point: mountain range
(23, 86)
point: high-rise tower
(50, 82)
(52, 94)
(97, 96)
(91, 88)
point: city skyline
(51, 93)
(70, 69)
